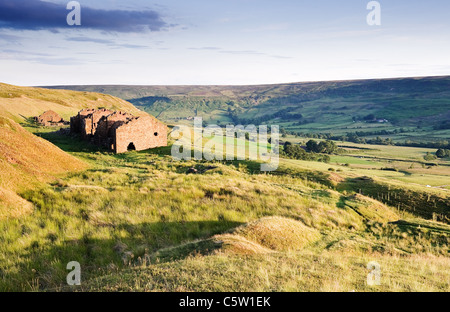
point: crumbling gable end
(140, 133)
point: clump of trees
(323, 147)
(443, 153)
(314, 151)
(360, 137)
(429, 156)
(296, 152)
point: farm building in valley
(119, 131)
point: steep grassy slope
(19, 103)
(26, 160)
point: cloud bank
(40, 15)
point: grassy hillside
(140, 222)
(20, 103)
(416, 109)
(25, 161)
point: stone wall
(106, 123)
(75, 121)
(139, 134)
(119, 131)
(90, 122)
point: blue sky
(220, 41)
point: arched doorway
(131, 147)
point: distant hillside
(19, 103)
(335, 107)
(26, 160)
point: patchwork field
(398, 163)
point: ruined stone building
(119, 131)
(49, 118)
(86, 121)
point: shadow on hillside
(249, 166)
(420, 203)
(43, 267)
(69, 143)
(29, 122)
(74, 144)
(191, 238)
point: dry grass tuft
(278, 233)
(335, 178)
(236, 244)
(267, 235)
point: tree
(312, 146)
(369, 117)
(327, 147)
(296, 152)
(325, 159)
(429, 156)
(441, 153)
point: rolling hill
(415, 109)
(19, 103)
